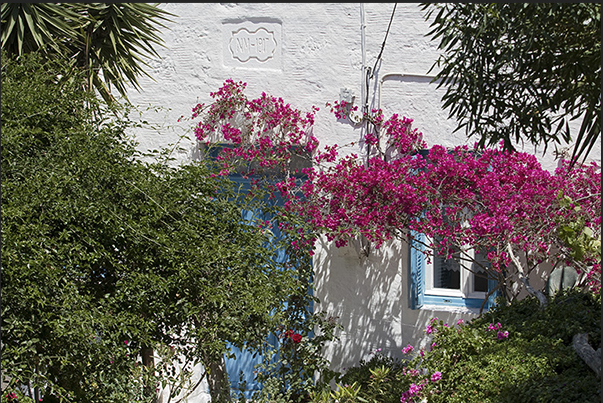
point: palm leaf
(123, 35)
(589, 134)
(110, 41)
(28, 27)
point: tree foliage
(105, 256)
(108, 41)
(520, 72)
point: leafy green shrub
(515, 353)
(289, 370)
(107, 258)
(61, 336)
(376, 378)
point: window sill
(451, 309)
(443, 292)
(452, 303)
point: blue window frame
(444, 283)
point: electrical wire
(384, 40)
(369, 75)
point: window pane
(480, 280)
(446, 273)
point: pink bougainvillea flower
(436, 376)
(408, 349)
(495, 197)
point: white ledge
(453, 309)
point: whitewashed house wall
(318, 50)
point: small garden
(515, 353)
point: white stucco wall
(317, 51)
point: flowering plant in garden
(265, 129)
(514, 353)
(499, 203)
(423, 374)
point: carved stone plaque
(252, 44)
(259, 44)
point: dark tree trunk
(217, 379)
(148, 360)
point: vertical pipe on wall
(363, 95)
(363, 81)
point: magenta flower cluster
(436, 376)
(341, 109)
(494, 201)
(415, 389)
(408, 349)
(500, 334)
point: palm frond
(110, 41)
(29, 27)
(589, 134)
(123, 35)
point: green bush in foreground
(110, 255)
(515, 353)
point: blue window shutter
(417, 261)
(417, 270)
(241, 368)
